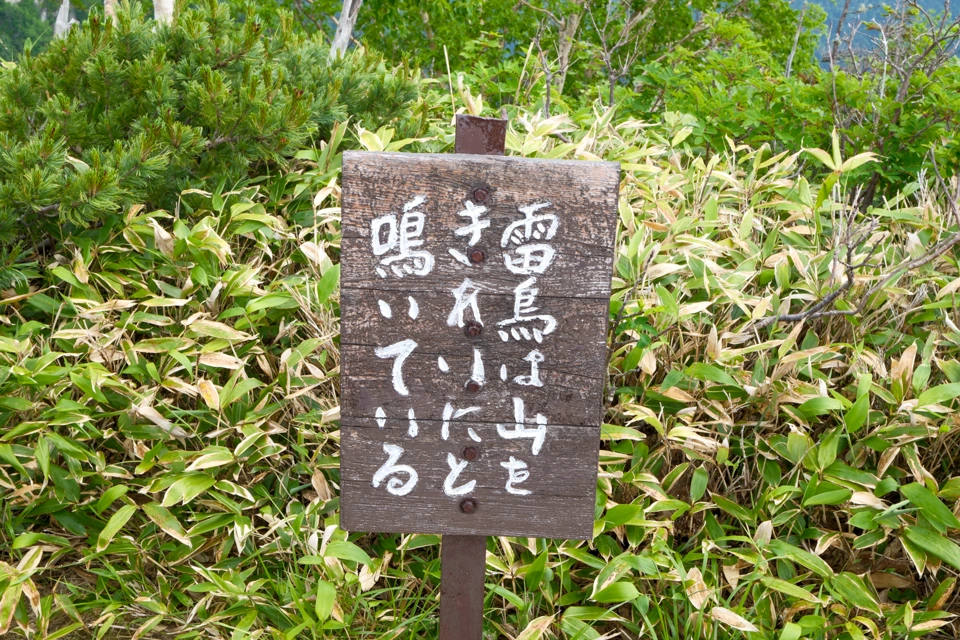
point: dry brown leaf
(903, 368)
(320, 485)
(33, 595)
(731, 619)
(314, 253)
(763, 533)
(930, 625)
(944, 597)
(663, 269)
(697, 589)
(887, 580)
(886, 459)
(180, 386)
(713, 344)
(367, 578)
(868, 499)
(162, 239)
(732, 573)
(826, 541)
(648, 362)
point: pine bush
(128, 111)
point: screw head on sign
(470, 453)
(477, 256)
(472, 329)
(468, 505)
(473, 386)
(480, 194)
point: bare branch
(852, 240)
(796, 41)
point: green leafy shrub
(169, 440)
(128, 111)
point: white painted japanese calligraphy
(455, 468)
(466, 298)
(520, 429)
(473, 229)
(518, 474)
(478, 374)
(412, 429)
(532, 380)
(449, 413)
(402, 240)
(392, 470)
(399, 350)
(525, 240)
(526, 323)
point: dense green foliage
(169, 411)
(753, 71)
(169, 324)
(127, 112)
(756, 72)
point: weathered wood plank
(556, 492)
(475, 300)
(577, 191)
(567, 398)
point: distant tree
(163, 11)
(64, 19)
(345, 26)
(19, 22)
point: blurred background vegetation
(779, 451)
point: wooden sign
(474, 303)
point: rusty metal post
(463, 558)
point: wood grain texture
(383, 309)
(562, 482)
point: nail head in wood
(470, 453)
(473, 329)
(468, 505)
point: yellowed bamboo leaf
(162, 239)
(320, 485)
(213, 329)
(220, 360)
(144, 410)
(536, 628)
(868, 499)
(209, 394)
